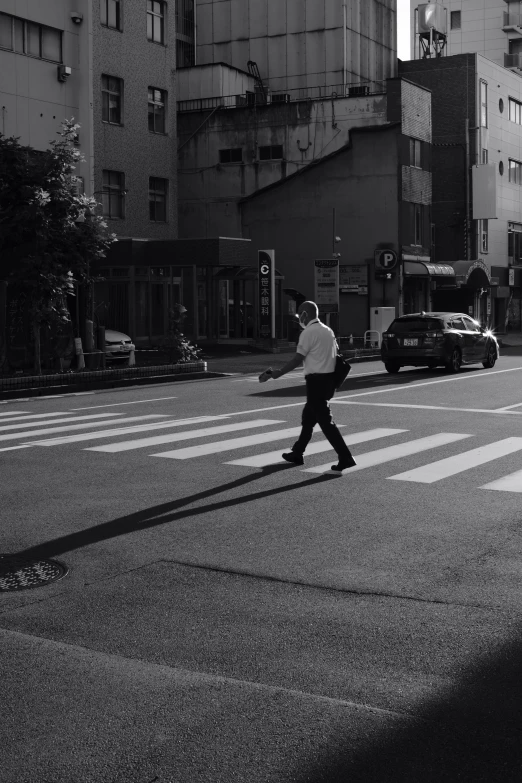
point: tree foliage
(49, 232)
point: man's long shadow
(167, 512)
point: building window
(415, 153)
(34, 40)
(515, 111)
(485, 156)
(158, 199)
(113, 194)
(112, 92)
(484, 236)
(231, 156)
(417, 224)
(185, 33)
(156, 107)
(156, 21)
(515, 243)
(483, 104)
(456, 20)
(515, 172)
(274, 152)
(110, 13)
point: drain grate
(19, 573)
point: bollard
(351, 339)
(132, 357)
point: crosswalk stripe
(161, 425)
(5, 414)
(31, 416)
(23, 424)
(435, 471)
(379, 456)
(273, 457)
(128, 445)
(511, 483)
(228, 445)
(67, 428)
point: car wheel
(455, 361)
(392, 366)
(491, 358)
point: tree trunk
(36, 339)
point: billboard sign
(327, 285)
(266, 261)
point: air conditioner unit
(64, 71)
(358, 90)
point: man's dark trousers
(320, 388)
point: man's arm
(295, 361)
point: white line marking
(67, 394)
(507, 407)
(67, 428)
(435, 471)
(35, 416)
(427, 407)
(13, 448)
(128, 445)
(10, 413)
(408, 386)
(228, 445)
(162, 425)
(57, 421)
(511, 483)
(133, 402)
(274, 457)
(379, 456)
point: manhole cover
(18, 573)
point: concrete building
(378, 186)
(491, 28)
(477, 164)
(299, 43)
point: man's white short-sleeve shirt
(318, 346)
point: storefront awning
(475, 274)
(425, 269)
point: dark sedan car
(437, 339)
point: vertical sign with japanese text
(266, 293)
(327, 285)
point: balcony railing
(512, 19)
(289, 96)
(513, 61)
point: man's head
(307, 312)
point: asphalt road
(228, 617)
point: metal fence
(358, 90)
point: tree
(49, 232)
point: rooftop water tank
(432, 16)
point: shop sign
(352, 278)
(266, 260)
(385, 259)
(327, 285)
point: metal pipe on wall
(345, 48)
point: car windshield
(415, 325)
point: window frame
(154, 192)
(517, 169)
(484, 235)
(111, 191)
(515, 108)
(418, 232)
(162, 16)
(23, 24)
(154, 103)
(105, 16)
(230, 151)
(456, 15)
(106, 91)
(415, 153)
(483, 94)
(270, 148)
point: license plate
(410, 341)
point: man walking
(317, 348)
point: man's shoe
(295, 459)
(343, 464)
